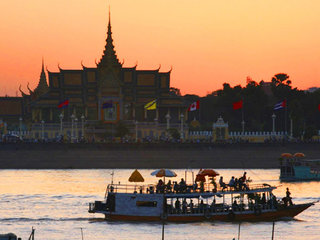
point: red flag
(319, 107)
(237, 105)
(63, 104)
(194, 106)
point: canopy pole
(272, 237)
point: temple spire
(109, 57)
(42, 85)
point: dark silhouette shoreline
(145, 156)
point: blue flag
(280, 105)
(107, 104)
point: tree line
(302, 107)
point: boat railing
(217, 208)
(187, 189)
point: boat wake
(47, 219)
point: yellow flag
(151, 105)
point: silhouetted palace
(126, 89)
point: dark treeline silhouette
(258, 103)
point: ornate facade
(88, 88)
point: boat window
(146, 203)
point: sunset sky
(207, 42)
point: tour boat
(298, 169)
(143, 203)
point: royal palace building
(101, 96)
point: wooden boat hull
(264, 215)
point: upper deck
(190, 191)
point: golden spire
(42, 85)
(109, 57)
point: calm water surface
(55, 203)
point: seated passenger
(232, 182)
(175, 187)
(222, 184)
(194, 187)
(169, 186)
(213, 182)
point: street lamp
(20, 127)
(76, 127)
(168, 117)
(181, 126)
(273, 123)
(42, 129)
(72, 122)
(61, 118)
(82, 126)
(242, 124)
(136, 131)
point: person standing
(288, 196)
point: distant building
(267, 88)
(124, 89)
(312, 89)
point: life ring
(257, 211)
(231, 215)
(207, 215)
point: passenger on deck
(232, 182)
(160, 186)
(288, 197)
(213, 182)
(151, 190)
(236, 184)
(169, 186)
(177, 206)
(194, 187)
(184, 206)
(182, 185)
(263, 199)
(222, 184)
(235, 206)
(242, 184)
(175, 187)
(274, 201)
(244, 177)
(191, 206)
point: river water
(55, 203)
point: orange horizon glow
(207, 43)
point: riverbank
(122, 156)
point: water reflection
(55, 202)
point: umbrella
(136, 177)
(286, 155)
(164, 173)
(298, 155)
(208, 172)
(200, 178)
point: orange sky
(207, 42)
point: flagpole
(285, 117)
(242, 113)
